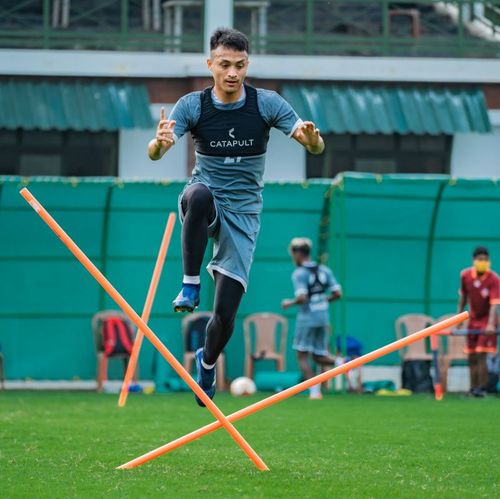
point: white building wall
(286, 159)
(97, 63)
(475, 154)
(133, 161)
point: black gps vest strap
(315, 287)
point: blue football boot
(206, 378)
(188, 299)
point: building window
(380, 153)
(70, 153)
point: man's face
(482, 263)
(298, 257)
(229, 69)
(482, 258)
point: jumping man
(230, 125)
(315, 287)
(480, 287)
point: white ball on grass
(242, 386)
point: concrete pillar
(218, 13)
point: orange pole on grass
(278, 397)
(148, 304)
(134, 317)
(438, 389)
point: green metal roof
(73, 105)
(383, 109)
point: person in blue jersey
(229, 123)
(315, 287)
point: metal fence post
(309, 26)
(460, 44)
(124, 23)
(46, 24)
(385, 27)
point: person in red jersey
(480, 289)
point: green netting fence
(396, 244)
(47, 298)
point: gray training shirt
(235, 182)
(313, 313)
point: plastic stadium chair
(193, 331)
(102, 358)
(265, 326)
(454, 353)
(408, 324)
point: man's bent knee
(198, 200)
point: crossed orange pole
(142, 326)
(278, 397)
(160, 260)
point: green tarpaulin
(75, 105)
(396, 243)
(384, 109)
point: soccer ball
(242, 386)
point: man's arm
(308, 135)
(492, 320)
(298, 300)
(164, 138)
(493, 316)
(462, 301)
(335, 295)
(462, 294)
(278, 113)
(333, 286)
(299, 280)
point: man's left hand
(490, 329)
(308, 135)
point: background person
(479, 287)
(315, 287)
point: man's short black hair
(480, 250)
(300, 245)
(229, 38)
(303, 250)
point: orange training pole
(132, 363)
(438, 389)
(278, 397)
(134, 317)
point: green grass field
(68, 444)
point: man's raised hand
(308, 135)
(165, 131)
(164, 138)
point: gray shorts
(235, 236)
(311, 339)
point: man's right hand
(165, 131)
(164, 138)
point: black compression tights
(199, 212)
(228, 294)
